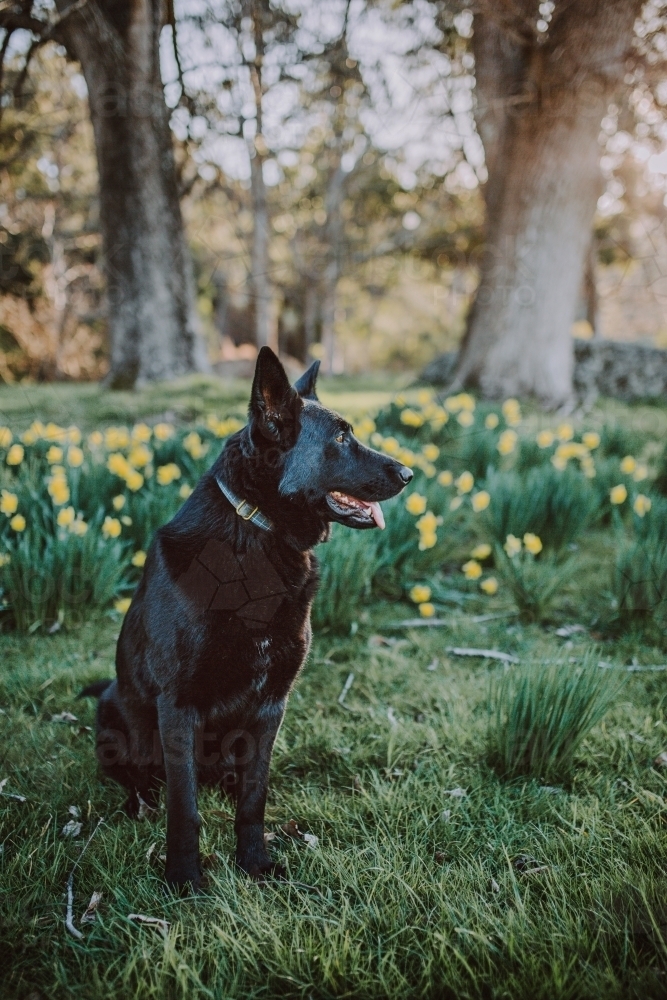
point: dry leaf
(150, 850)
(357, 783)
(74, 811)
(567, 630)
(72, 828)
(311, 840)
(144, 809)
(446, 815)
(661, 759)
(64, 717)
(90, 916)
(456, 793)
(433, 665)
(291, 829)
(494, 886)
(140, 918)
(527, 865)
(268, 837)
(439, 857)
(10, 795)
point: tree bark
(154, 330)
(332, 268)
(540, 103)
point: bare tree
(152, 321)
(542, 90)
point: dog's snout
(405, 474)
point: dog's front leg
(177, 733)
(252, 769)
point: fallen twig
(420, 623)
(140, 918)
(487, 654)
(346, 687)
(69, 918)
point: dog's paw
(261, 868)
(183, 878)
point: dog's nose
(405, 474)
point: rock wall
(602, 368)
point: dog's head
(322, 464)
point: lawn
(432, 874)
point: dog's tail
(95, 689)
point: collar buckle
(246, 517)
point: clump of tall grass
(53, 577)
(557, 506)
(639, 574)
(347, 566)
(539, 716)
(533, 582)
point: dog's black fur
(202, 683)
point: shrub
(347, 566)
(639, 582)
(555, 505)
(539, 716)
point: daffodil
(545, 439)
(642, 505)
(126, 520)
(116, 437)
(111, 527)
(481, 551)
(163, 431)
(445, 478)
(54, 454)
(491, 422)
(480, 501)
(96, 439)
(512, 412)
(15, 454)
(73, 435)
(52, 432)
(118, 502)
(134, 480)
(455, 503)
(591, 439)
(489, 586)
(430, 452)
(166, 474)
(5, 559)
(628, 465)
(123, 605)
(411, 418)
(185, 491)
(618, 494)
(78, 527)
(9, 503)
(58, 489)
(428, 522)
(466, 418)
(141, 433)
(512, 546)
(66, 516)
(565, 432)
(6, 437)
(414, 504)
(17, 523)
(424, 396)
(139, 456)
(507, 442)
(194, 446)
(533, 543)
(391, 446)
(420, 593)
(465, 482)
(472, 570)
(74, 456)
(426, 610)
(640, 473)
(139, 558)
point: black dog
(219, 626)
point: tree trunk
(153, 325)
(332, 269)
(540, 104)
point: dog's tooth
(376, 512)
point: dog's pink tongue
(376, 511)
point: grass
(414, 889)
(434, 876)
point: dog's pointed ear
(272, 399)
(305, 385)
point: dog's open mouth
(365, 510)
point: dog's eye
(340, 437)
